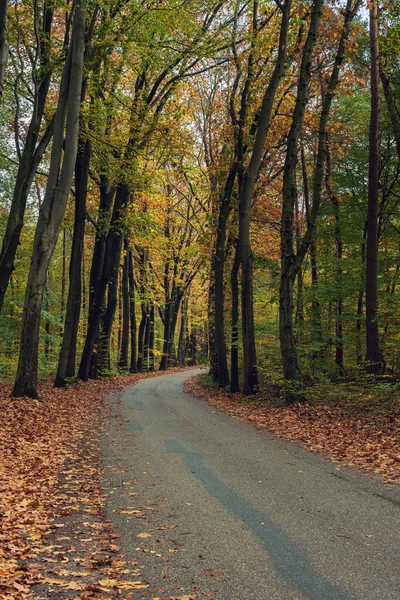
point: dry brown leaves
(41, 480)
(349, 441)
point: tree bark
(132, 314)
(316, 323)
(3, 43)
(147, 335)
(373, 350)
(290, 362)
(67, 358)
(141, 337)
(63, 280)
(291, 262)
(247, 182)
(151, 339)
(339, 360)
(300, 299)
(360, 299)
(31, 156)
(391, 105)
(182, 334)
(124, 351)
(97, 280)
(105, 278)
(219, 362)
(52, 210)
(235, 386)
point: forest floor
(354, 423)
(55, 540)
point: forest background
(199, 181)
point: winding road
(210, 507)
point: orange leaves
(49, 486)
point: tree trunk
(67, 359)
(373, 351)
(97, 281)
(290, 363)
(105, 274)
(147, 335)
(3, 43)
(316, 324)
(47, 327)
(141, 337)
(291, 262)
(212, 355)
(300, 299)
(151, 340)
(31, 156)
(52, 211)
(174, 319)
(124, 351)
(235, 387)
(63, 280)
(182, 334)
(166, 337)
(132, 314)
(247, 181)
(219, 362)
(392, 109)
(339, 268)
(360, 300)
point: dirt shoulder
(368, 441)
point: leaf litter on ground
(53, 535)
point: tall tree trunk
(300, 299)
(97, 281)
(67, 358)
(132, 314)
(105, 275)
(392, 109)
(53, 208)
(141, 337)
(63, 280)
(316, 323)
(212, 355)
(83, 278)
(373, 350)
(47, 327)
(182, 334)
(151, 339)
(360, 299)
(291, 262)
(339, 267)
(174, 319)
(247, 181)
(31, 156)
(147, 333)
(168, 299)
(235, 323)
(124, 351)
(112, 262)
(219, 362)
(3, 43)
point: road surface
(210, 507)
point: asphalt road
(216, 509)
